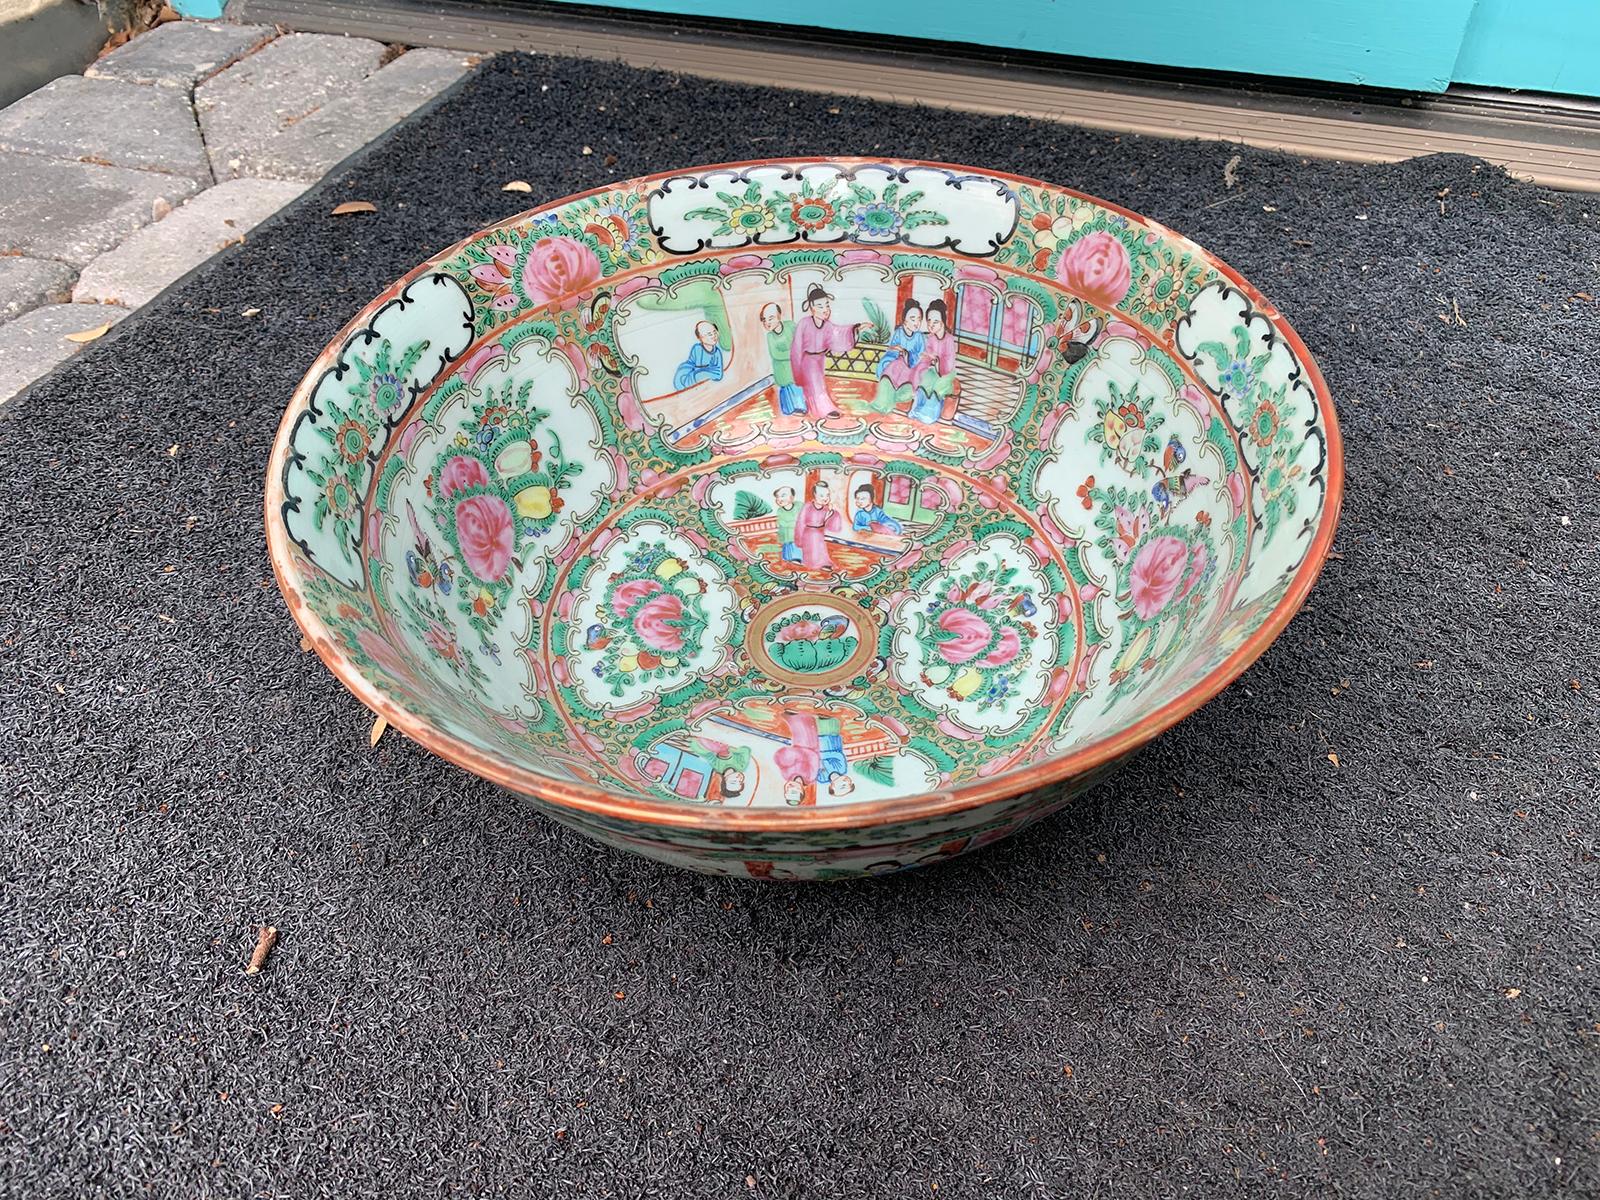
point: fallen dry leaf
(518, 185)
(354, 206)
(1334, 759)
(266, 938)
(1513, 993)
(251, 312)
(89, 335)
(378, 727)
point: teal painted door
(1414, 45)
(1410, 44)
(1540, 45)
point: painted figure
(815, 754)
(705, 358)
(816, 336)
(708, 770)
(936, 379)
(817, 519)
(780, 339)
(786, 512)
(901, 362)
(870, 514)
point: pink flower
(381, 652)
(655, 623)
(558, 268)
(442, 642)
(1096, 268)
(484, 533)
(1006, 647)
(800, 631)
(1236, 492)
(1155, 574)
(971, 638)
(461, 473)
(630, 593)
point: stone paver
(255, 100)
(37, 341)
(180, 54)
(159, 254)
(107, 121)
(309, 148)
(29, 282)
(76, 211)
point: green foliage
(879, 770)
(881, 327)
(748, 505)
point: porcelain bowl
(804, 519)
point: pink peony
(381, 652)
(655, 623)
(1006, 647)
(484, 533)
(1096, 268)
(461, 473)
(630, 593)
(800, 631)
(442, 642)
(558, 268)
(971, 638)
(1155, 574)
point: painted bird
(1172, 457)
(1169, 491)
(425, 572)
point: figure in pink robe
(817, 520)
(936, 373)
(815, 336)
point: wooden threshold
(1556, 144)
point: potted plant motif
(808, 642)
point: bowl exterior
(831, 854)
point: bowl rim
(591, 800)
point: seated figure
(705, 358)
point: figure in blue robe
(871, 517)
(704, 361)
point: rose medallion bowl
(804, 519)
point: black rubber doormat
(1335, 934)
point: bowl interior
(802, 484)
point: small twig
(265, 940)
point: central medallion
(811, 639)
